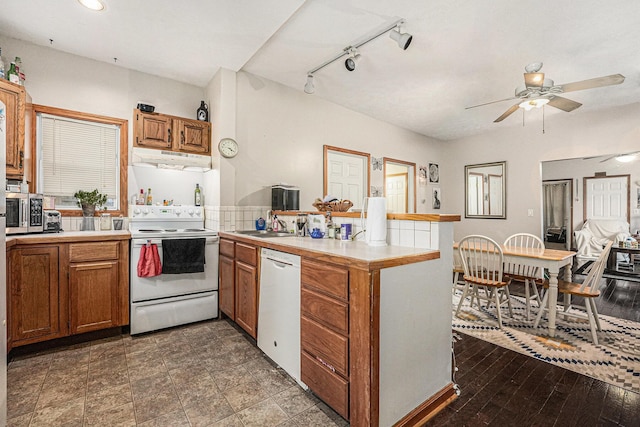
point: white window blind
(77, 155)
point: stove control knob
(190, 212)
(136, 211)
(145, 211)
(177, 212)
(198, 213)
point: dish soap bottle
(276, 225)
(149, 198)
(197, 196)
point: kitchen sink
(264, 233)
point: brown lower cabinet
(238, 284)
(56, 290)
(324, 332)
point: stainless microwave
(25, 213)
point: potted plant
(90, 200)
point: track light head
(350, 62)
(309, 87)
(403, 39)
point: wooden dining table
(550, 259)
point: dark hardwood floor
(500, 387)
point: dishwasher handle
(278, 263)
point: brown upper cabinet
(15, 99)
(164, 132)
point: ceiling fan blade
(533, 79)
(563, 104)
(507, 113)
(635, 153)
(614, 79)
(492, 102)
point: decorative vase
(203, 112)
(88, 221)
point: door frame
(570, 230)
(584, 193)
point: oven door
(171, 285)
(17, 213)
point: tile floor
(204, 374)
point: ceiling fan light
(309, 87)
(96, 5)
(528, 104)
(403, 39)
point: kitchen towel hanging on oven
(183, 256)
(149, 261)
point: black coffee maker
(285, 198)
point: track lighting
(350, 62)
(309, 87)
(403, 40)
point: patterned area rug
(616, 360)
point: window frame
(78, 115)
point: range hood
(170, 159)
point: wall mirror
(399, 185)
(346, 174)
(485, 190)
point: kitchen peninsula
(375, 321)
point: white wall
(281, 132)
(566, 136)
(62, 80)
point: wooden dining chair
(458, 273)
(587, 289)
(482, 260)
(524, 273)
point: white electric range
(171, 299)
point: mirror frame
(325, 184)
(386, 160)
(468, 170)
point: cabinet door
(93, 289)
(247, 297)
(226, 271)
(13, 97)
(152, 130)
(193, 136)
(35, 292)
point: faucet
(283, 225)
(270, 220)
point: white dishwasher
(279, 310)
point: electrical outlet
(530, 212)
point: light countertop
(67, 236)
(340, 251)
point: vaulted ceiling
(463, 52)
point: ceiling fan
(538, 91)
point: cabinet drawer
(326, 385)
(329, 279)
(325, 344)
(247, 254)
(93, 251)
(227, 247)
(325, 310)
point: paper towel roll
(376, 225)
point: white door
(397, 193)
(347, 177)
(607, 198)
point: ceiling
(463, 53)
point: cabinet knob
(181, 137)
(169, 137)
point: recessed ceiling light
(92, 4)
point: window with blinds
(77, 155)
